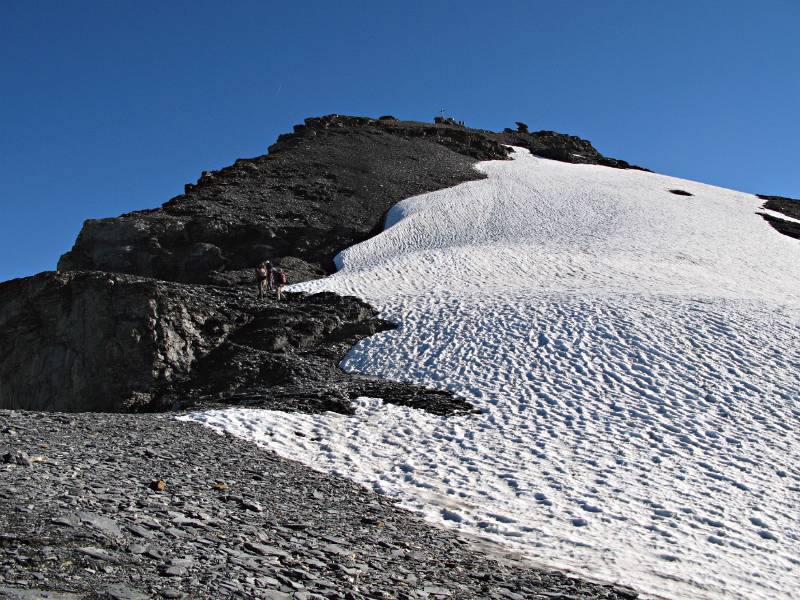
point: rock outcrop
(785, 206)
(93, 341)
(557, 146)
(102, 341)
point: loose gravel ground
(144, 506)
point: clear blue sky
(109, 107)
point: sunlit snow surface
(634, 354)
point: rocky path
(144, 506)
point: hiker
(263, 272)
(279, 279)
(270, 287)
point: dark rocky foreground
(80, 518)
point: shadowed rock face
(99, 341)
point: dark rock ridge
(318, 192)
(786, 206)
(557, 146)
(79, 519)
(93, 341)
(322, 188)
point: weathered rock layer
(100, 341)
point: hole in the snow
(681, 193)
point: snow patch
(634, 357)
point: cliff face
(99, 341)
(155, 308)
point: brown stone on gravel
(158, 485)
(220, 486)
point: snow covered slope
(634, 355)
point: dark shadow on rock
(287, 357)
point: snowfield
(633, 353)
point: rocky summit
(320, 189)
(156, 311)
